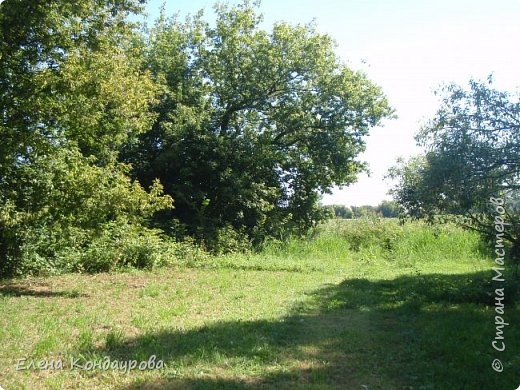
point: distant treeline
(386, 209)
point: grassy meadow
(361, 304)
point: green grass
(361, 305)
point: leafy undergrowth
(412, 312)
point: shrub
(121, 244)
(64, 212)
(229, 240)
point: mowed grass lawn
(356, 307)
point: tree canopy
(472, 154)
(72, 91)
(243, 127)
(252, 124)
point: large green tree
(472, 154)
(252, 124)
(68, 75)
(72, 91)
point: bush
(229, 240)
(123, 245)
(64, 213)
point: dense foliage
(97, 117)
(472, 155)
(71, 92)
(250, 129)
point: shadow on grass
(20, 291)
(421, 331)
(270, 268)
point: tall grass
(337, 242)
(406, 243)
(408, 240)
(357, 304)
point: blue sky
(407, 47)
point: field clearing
(362, 305)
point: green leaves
(69, 200)
(239, 127)
(472, 154)
(100, 101)
(250, 123)
(72, 91)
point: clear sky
(407, 47)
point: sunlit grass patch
(313, 313)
